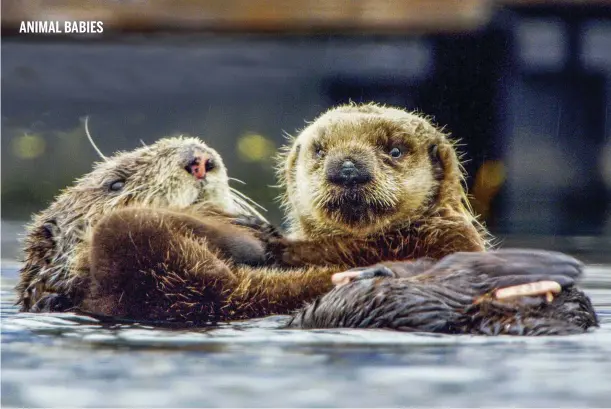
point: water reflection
(68, 360)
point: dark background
(527, 92)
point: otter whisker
(237, 180)
(247, 207)
(99, 152)
(248, 199)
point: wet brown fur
(162, 265)
(455, 296)
(189, 262)
(56, 265)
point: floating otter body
(174, 173)
(169, 257)
(191, 268)
(159, 265)
(367, 184)
(459, 295)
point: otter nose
(200, 165)
(348, 174)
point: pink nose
(200, 166)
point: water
(54, 360)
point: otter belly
(400, 304)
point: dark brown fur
(454, 296)
(161, 265)
(55, 274)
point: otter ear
(444, 154)
(447, 170)
(434, 155)
(50, 229)
(290, 162)
(436, 161)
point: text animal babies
(61, 27)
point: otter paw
(539, 288)
(265, 230)
(361, 273)
(248, 221)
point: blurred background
(525, 85)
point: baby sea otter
(369, 184)
(174, 173)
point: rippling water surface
(55, 360)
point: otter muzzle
(348, 173)
(200, 165)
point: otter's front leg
(344, 252)
(143, 266)
(459, 294)
(497, 269)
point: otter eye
(395, 153)
(117, 185)
(319, 153)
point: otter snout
(347, 172)
(200, 164)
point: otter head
(171, 173)
(359, 169)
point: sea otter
(180, 173)
(365, 184)
(369, 183)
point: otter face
(173, 172)
(360, 169)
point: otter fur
(174, 173)
(197, 261)
(165, 266)
(456, 296)
(368, 184)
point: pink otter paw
(546, 288)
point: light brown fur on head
(152, 176)
(425, 180)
